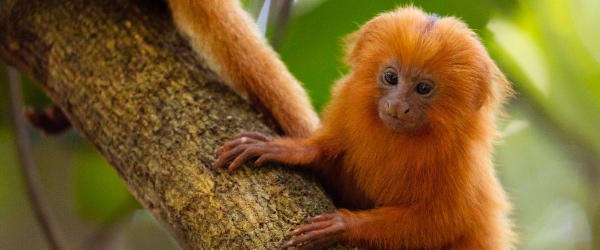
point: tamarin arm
(391, 227)
(232, 45)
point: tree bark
(132, 86)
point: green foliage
(100, 195)
(33, 96)
(536, 167)
(10, 159)
(551, 51)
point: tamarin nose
(404, 107)
(396, 109)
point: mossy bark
(132, 86)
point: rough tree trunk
(132, 87)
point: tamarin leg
(380, 228)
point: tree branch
(132, 86)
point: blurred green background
(548, 159)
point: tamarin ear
(501, 88)
(353, 47)
(494, 88)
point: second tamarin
(405, 145)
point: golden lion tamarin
(405, 145)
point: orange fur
(433, 187)
(230, 42)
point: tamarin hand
(323, 230)
(51, 121)
(245, 146)
(241, 148)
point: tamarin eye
(391, 78)
(423, 88)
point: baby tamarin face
(424, 71)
